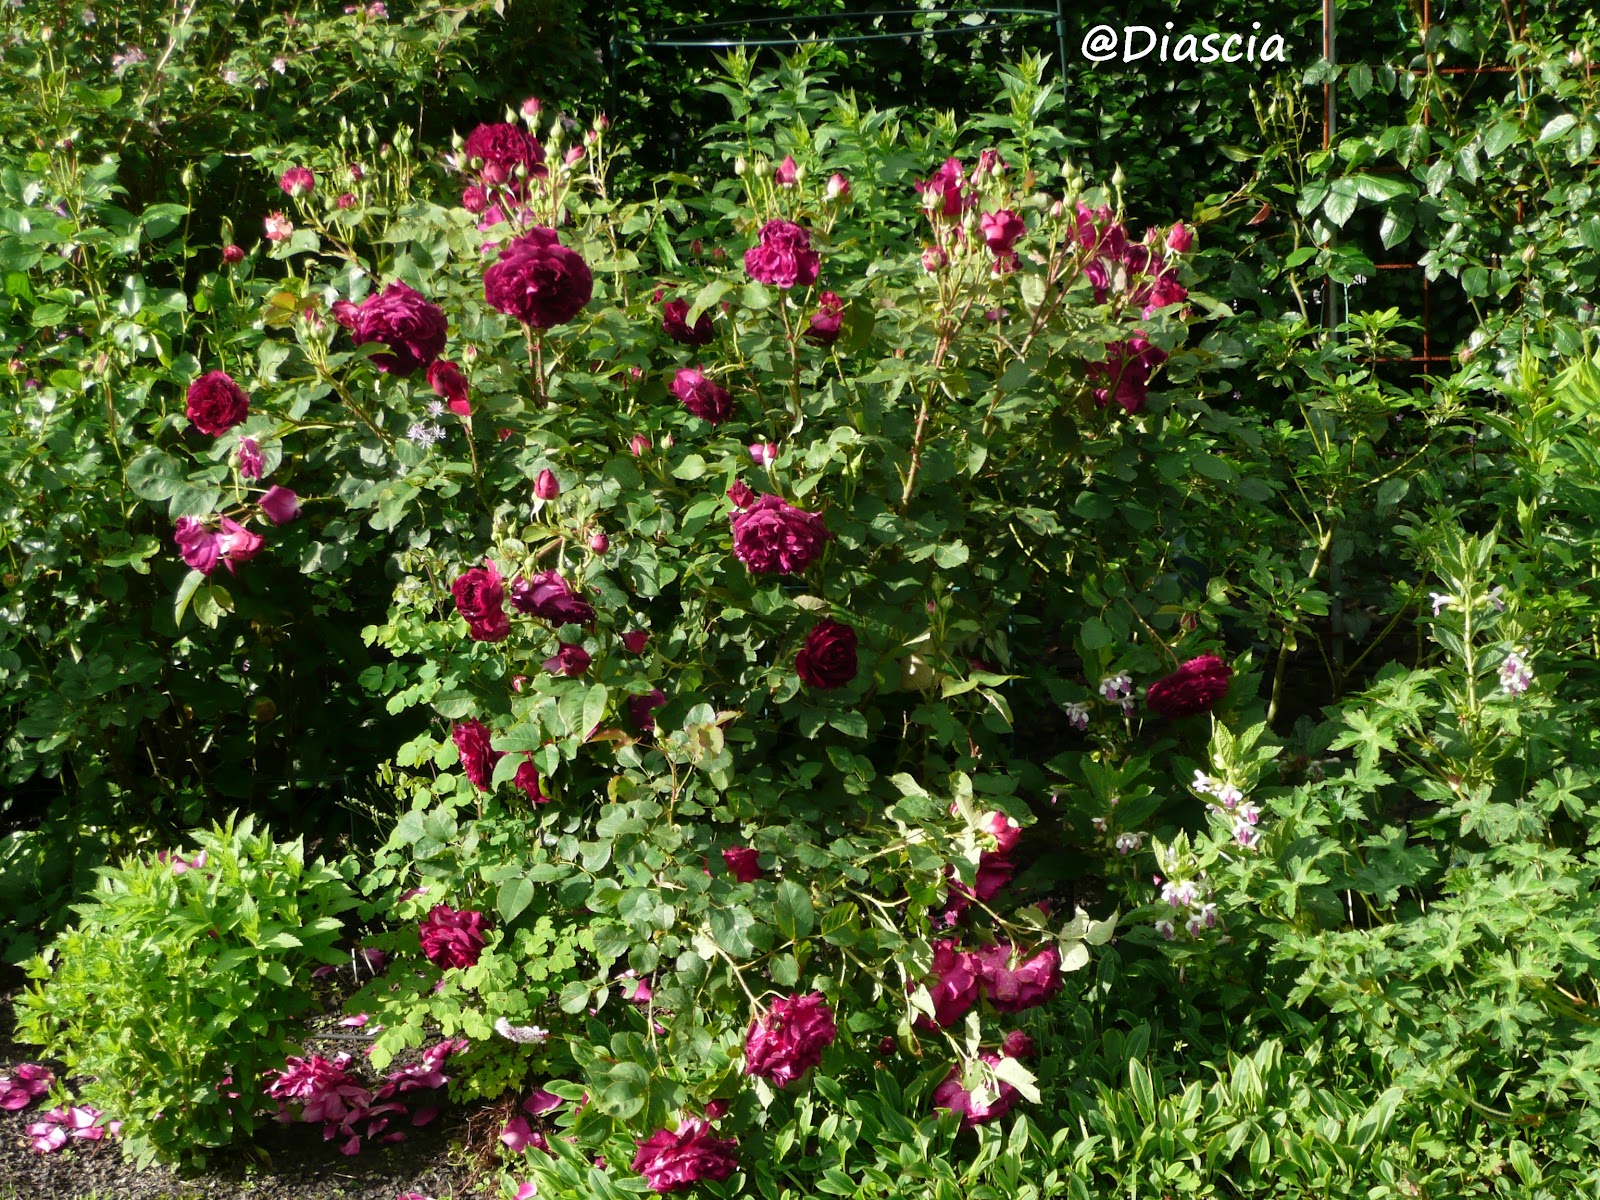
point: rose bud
(546, 487)
(838, 187)
(599, 543)
(638, 444)
(232, 254)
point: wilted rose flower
(249, 458)
(503, 149)
(783, 256)
(480, 598)
(976, 1108)
(571, 659)
(742, 863)
(232, 254)
(771, 536)
(447, 382)
(705, 399)
(298, 181)
(641, 709)
(539, 281)
(674, 1162)
(215, 403)
(451, 938)
(527, 781)
(826, 321)
(1100, 231)
(788, 1040)
(236, 544)
(1192, 688)
(477, 756)
(953, 985)
(279, 227)
(551, 598)
(1001, 230)
(990, 163)
(674, 323)
(24, 1084)
(1029, 984)
(411, 326)
(1125, 374)
(828, 659)
(280, 505)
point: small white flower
(1246, 834)
(435, 408)
(1116, 687)
(1441, 601)
(1203, 784)
(1127, 843)
(1187, 893)
(1099, 823)
(1515, 675)
(230, 77)
(1169, 894)
(425, 434)
(1194, 927)
(1078, 716)
(280, 65)
(1229, 796)
(1250, 814)
(1495, 601)
(1208, 916)
(1166, 929)
(521, 1034)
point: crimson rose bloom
(1011, 990)
(409, 324)
(237, 544)
(705, 399)
(450, 938)
(550, 598)
(481, 598)
(505, 147)
(450, 385)
(789, 1040)
(826, 321)
(783, 257)
(1001, 230)
(1125, 375)
(198, 544)
(215, 403)
(739, 492)
(641, 709)
(945, 184)
(1192, 688)
(571, 659)
(953, 986)
(828, 659)
(674, 323)
(532, 786)
(539, 281)
(674, 1162)
(742, 863)
(477, 757)
(280, 505)
(950, 1094)
(772, 537)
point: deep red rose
(1180, 238)
(674, 1162)
(527, 778)
(571, 659)
(635, 640)
(783, 256)
(215, 403)
(279, 505)
(1166, 290)
(1006, 831)
(450, 385)
(945, 185)
(1100, 231)
(481, 598)
(786, 1042)
(551, 598)
(1125, 374)
(641, 709)
(1193, 688)
(410, 325)
(953, 985)
(705, 399)
(1011, 990)
(739, 492)
(232, 254)
(477, 756)
(674, 323)
(345, 313)
(742, 863)
(1018, 1045)
(1002, 230)
(237, 544)
(505, 147)
(950, 1094)
(828, 659)
(450, 938)
(773, 537)
(298, 181)
(826, 321)
(539, 281)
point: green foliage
(173, 981)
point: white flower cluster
(1118, 689)
(425, 434)
(1077, 716)
(1515, 675)
(1231, 807)
(520, 1034)
(1190, 902)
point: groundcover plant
(831, 614)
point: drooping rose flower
(452, 939)
(772, 537)
(953, 985)
(675, 324)
(298, 181)
(237, 544)
(641, 709)
(828, 659)
(976, 1108)
(788, 1040)
(705, 399)
(1001, 230)
(279, 505)
(742, 864)
(480, 597)
(827, 321)
(197, 543)
(248, 456)
(571, 659)
(1193, 688)
(1011, 990)
(676, 1161)
(783, 256)
(450, 385)
(478, 758)
(531, 785)
(215, 403)
(410, 325)
(1180, 238)
(539, 281)
(942, 191)
(551, 598)
(1125, 374)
